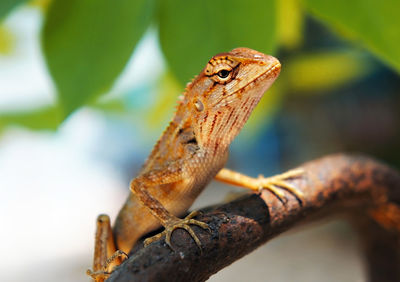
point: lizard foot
(276, 183)
(103, 274)
(98, 276)
(179, 223)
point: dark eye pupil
(223, 73)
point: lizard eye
(223, 73)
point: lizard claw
(98, 276)
(101, 275)
(275, 184)
(179, 223)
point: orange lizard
(190, 153)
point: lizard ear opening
(199, 105)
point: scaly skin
(193, 150)
(194, 147)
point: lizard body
(194, 147)
(192, 151)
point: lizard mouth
(274, 69)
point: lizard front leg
(275, 184)
(139, 186)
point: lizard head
(222, 97)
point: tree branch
(354, 185)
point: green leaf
(374, 23)
(193, 31)
(7, 40)
(7, 5)
(318, 72)
(164, 106)
(46, 118)
(290, 23)
(88, 43)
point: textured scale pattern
(194, 147)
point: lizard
(190, 153)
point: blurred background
(87, 87)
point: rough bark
(360, 187)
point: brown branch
(355, 185)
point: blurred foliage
(6, 41)
(47, 118)
(41, 4)
(192, 31)
(290, 18)
(374, 23)
(7, 5)
(167, 88)
(87, 44)
(309, 73)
